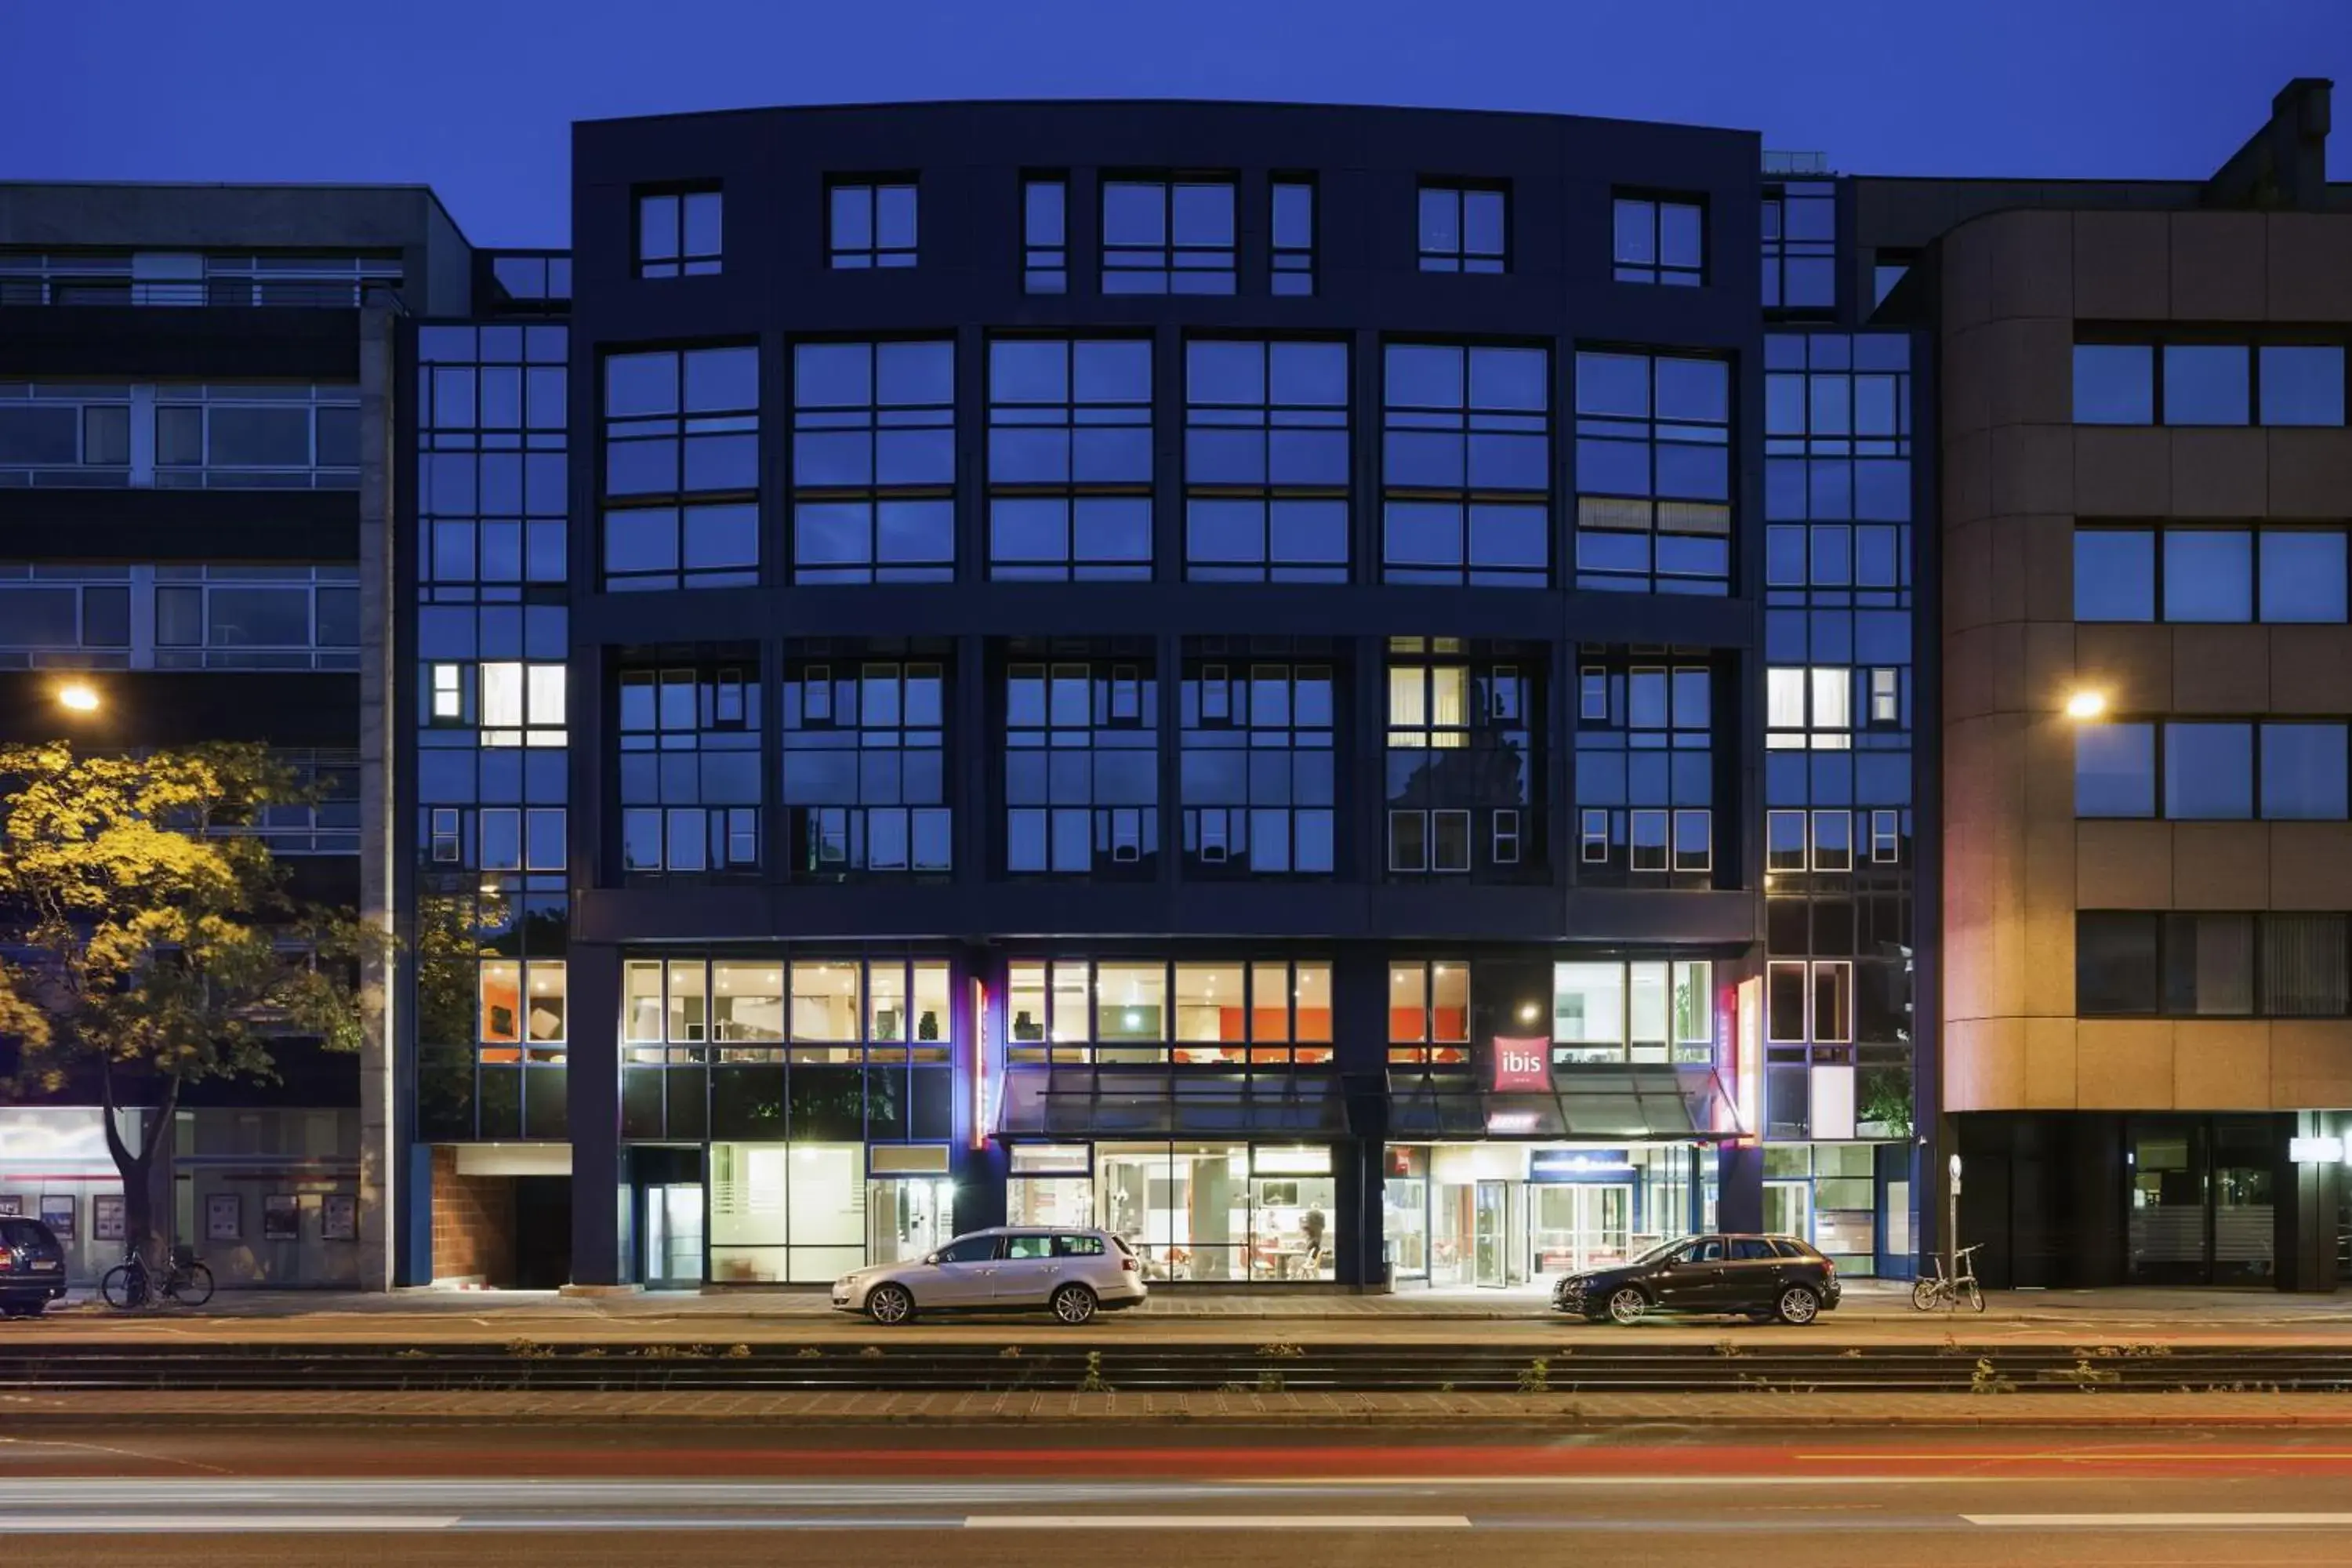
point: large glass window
(2207, 383)
(1646, 1011)
(874, 462)
(870, 222)
(1809, 709)
(2115, 383)
(1464, 228)
(2192, 965)
(1262, 1011)
(2115, 770)
(2212, 770)
(1168, 236)
(1258, 770)
(2194, 574)
(1429, 1013)
(493, 499)
(2202, 381)
(682, 468)
(1464, 770)
(1266, 461)
(1069, 459)
(179, 435)
(690, 766)
(1659, 239)
(1467, 464)
(1081, 769)
(678, 234)
(1653, 473)
(1800, 228)
(865, 776)
(2302, 383)
(1644, 774)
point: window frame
(1172, 261)
(1651, 206)
(1462, 261)
(2159, 790)
(679, 261)
(872, 190)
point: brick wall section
(473, 1224)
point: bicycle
(1947, 1289)
(130, 1284)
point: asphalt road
(1191, 1497)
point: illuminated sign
(2315, 1150)
(982, 1109)
(1523, 1065)
(1296, 1161)
(1568, 1164)
(1510, 1121)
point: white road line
(1217, 1521)
(2154, 1520)
(220, 1523)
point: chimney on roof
(2284, 164)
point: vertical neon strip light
(1750, 1076)
(980, 1095)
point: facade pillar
(1740, 1187)
(593, 1090)
(1360, 1011)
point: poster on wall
(339, 1217)
(224, 1219)
(106, 1216)
(12, 1204)
(281, 1217)
(57, 1214)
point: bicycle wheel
(195, 1288)
(1976, 1297)
(122, 1288)
(1923, 1295)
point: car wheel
(1074, 1304)
(889, 1304)
(1799, 1305)
(1626, 1306)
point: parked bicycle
(130, 1284)
(1950, 1290)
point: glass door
(906, 1218)
(1604, 1225)
(674, 1234)
(1489, 1230)
(1789, 1209)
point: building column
(1359, 1013)
(2305, 1197)
(1740, 1187)
(592, 1082)
(976, 1160)
(411, 1206)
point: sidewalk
(1815, 1412)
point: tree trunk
(139, 1229)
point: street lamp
(79, 696)
(2086, 705)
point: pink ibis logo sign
(1522, 1066)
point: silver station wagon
(1071, 1272)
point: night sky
(476, 96)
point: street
(1173, 1495)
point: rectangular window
(2209, 965)
(1258, 775)
(2115, 770)
(2197, 965)
(2116, 966)
(2303, 970)
(2302, 772)
(1592, 834)
(1464, 228)
(1069, 459)
(864, 772)
(2302, 383)
(2115, 574)
(1887, 836)
(2208, 770)
(1784, 841)
(1809, 1002)
(1832, 841)
(1885, 697)
(522, 704)
(2202, 383)
(1266, 461)
(1292, 230)
(1168, 236)
(1660, 240)
(1653, 473)
(690, 769)
(870, 223)
(1467, 464)
(682, 470)
(1429, 1013)
(1461, 750)
(2207, 383)
(1081, 770)
(1800, 229)
(1045, 234)
(1409, 841)
(2194, 574)
(874, 462)
(1643, 749)
(1809, 709)
(678, 234)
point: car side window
(18, 1233)
(1792, 1249)
(1078, 1247)
(1028, 1246)
(1752, 1249)
(970, 1249)
(1709, 1251)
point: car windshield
(1660, 1250)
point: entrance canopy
(1618, 1103)
(1081, 1102)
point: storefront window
(1215, 1213)
(1404, 1207)
(1048, 1186)
(690, 1003)
(824, 1002)
(786, 1213)
(1150, 1011)
(1588, 1012)
(747, 1003)
(1429, 1013)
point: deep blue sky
(476, 96)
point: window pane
(2115, 963)
(2205, 384)
(2208, 770)
(2115, 770)
(2115, 383)
(2209, 965)
(2302, 385)
(2303, 970)
(1587, 1003)
(2208, 575)
(2115, 575)
(2302, 575)
(2304, 771)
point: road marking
(2153, 1521)
(1217, 1521)
(221, 1523)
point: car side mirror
(930, 1259)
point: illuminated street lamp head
(79, 696)
(2086, 705)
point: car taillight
(8, 1260)
(1127, 1265)
(1829, 1267)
